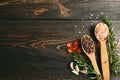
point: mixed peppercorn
(87, 44)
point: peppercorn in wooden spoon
(88, 47)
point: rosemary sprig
(112, 48)
(86, 65)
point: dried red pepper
(73, 47)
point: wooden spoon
(101, 33)
(89, 48)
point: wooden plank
(79, 9)
(35, 49)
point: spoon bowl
(101, 32)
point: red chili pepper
(75, 44)
(70, 51)
(73, 47)
(69, 45)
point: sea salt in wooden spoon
(101, 33)
(89, 48)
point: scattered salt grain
(91, 24)
(102, 13)
(91, 15)
(83, 26)
(74, 28)
(119, 40)
(75, 25)
(96, 17)
(79, 32)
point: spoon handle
(94, 62)
(105, 61)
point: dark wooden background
(32, 47)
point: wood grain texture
(32, 47)
(35, 50)
(78, 9)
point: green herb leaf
(112, 49)
(86, 65)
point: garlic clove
(83, 71)
(75, 72)
(77, 68)
(71, 66)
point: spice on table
(101, 31)
(73, 47)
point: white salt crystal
(102, 13)
(75, 25)
(91, 15)
(91, 24)
(83, 26)
(79, 32)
